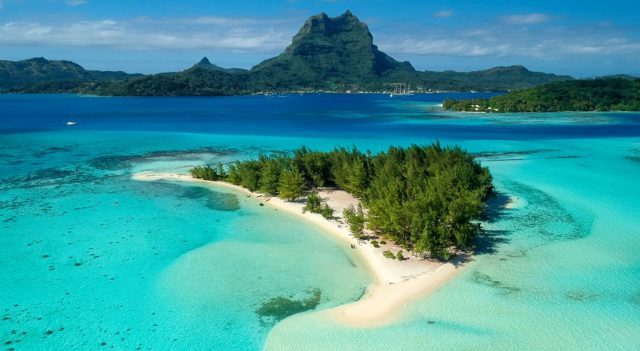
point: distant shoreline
(395, 283)
(274, 93)
(588, 95)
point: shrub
(389, 254)
(270, 170)
(400, 256)
(375, 243)
(326, 211)
(207, 172)
(356, 220)
(247, 174)
(314, 203)
(383, 242)
(291, 184)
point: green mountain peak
(204, 61)
(338, 49)
(206, 65)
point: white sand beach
(397, 283)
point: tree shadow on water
(496, 207)
(487, 242)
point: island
(327, 55)
(601, 94)
(411, 213)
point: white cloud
(531, 18)
(209, 33)
(497, 40)
(214, 21)
(439, 46)
(269, 35)
(443, 14)
(75, 2)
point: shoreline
(395, 284)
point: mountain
(329, 51)
(206, 64)
(329, 54)
(202, 79)
(196, 81)
(14, 74)
(601, 94)
(497, 78)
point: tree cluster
(208, 172)
(315, 204)
(425, 198)
(603, 94)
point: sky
(581, 38)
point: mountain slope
(15, 74)
(326, 52)
(206, 64)
(497, 78)
(196, 81)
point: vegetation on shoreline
(315, 204)
(425, 198)
(602, 94)
(356, 219)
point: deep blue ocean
(339, 115)
(91, 259)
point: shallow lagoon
(92, 259)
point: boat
(71, 123)
(401, 89)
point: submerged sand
(397, 283)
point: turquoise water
(561, 271)
(92, 260)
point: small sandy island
(397, 283)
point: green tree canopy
(292, 184)
(426, 198)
